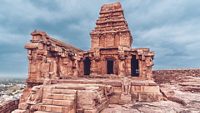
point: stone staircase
(57, 100)
(66, 98)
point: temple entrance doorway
(134, 67)
(110, 66)
(87, 64)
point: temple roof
(60, 43)
(111, 19)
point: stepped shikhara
(65, 79)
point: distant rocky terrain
(11, 89)
(181, 90)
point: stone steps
(45, 112)
(63, 91)
(53, 108)
(58, 102)
(60, 96)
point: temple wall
(9, 106)
(50, 58)
(122, 61)
(138, 92)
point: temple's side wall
(9, 106)
(50, 58)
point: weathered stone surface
(8, 107)
(19, 111)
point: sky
(171, 28)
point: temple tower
(111, 29)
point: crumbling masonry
(65, 79)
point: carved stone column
(69, 67)
(149, 64)
(76, 68)
(126, 91)
(75, 65)
(142, 67)
(128, 65)
(53, 68)
(45, 66)
(93, 67)
(94, 61)
(122, 66)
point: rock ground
(182, 95)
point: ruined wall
(166, 76)
(9, 106)
(50, 58)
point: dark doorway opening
(87, 64)
(134, 67)
(110, 66)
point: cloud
(170, 28)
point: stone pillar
(69, 68)
(141, 68)
(81, 68)
(103, 66)
(53, 68)
(149, 64)
(63, 67)
(93, 67)
(76, 68)
(126, 91)
(45, 66)
(128, 65)
(122, 68)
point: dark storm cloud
(171, 28)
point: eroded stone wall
(50, 58)
(9, 106)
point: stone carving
(122, 68)
(126, 86)
(76, 68)
(35, 95)
(149, 62)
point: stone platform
(66, 98)
(88, 95)
(140, 90)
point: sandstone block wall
(9, 106)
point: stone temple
(65, 79)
